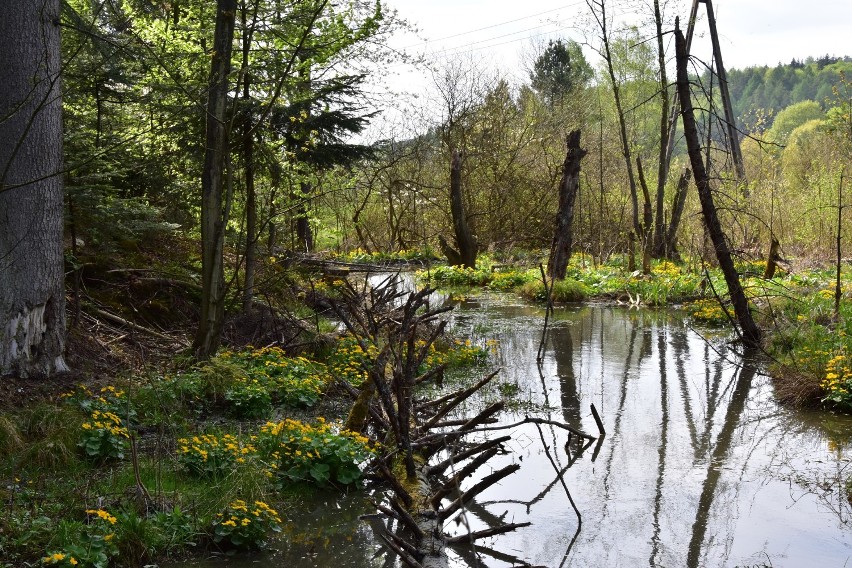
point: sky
(501, 33)
(752, 32)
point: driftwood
(134, 326)
(412, 432)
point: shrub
(245, 526)
(510, 280)
(92, 547)
(707, 311)
(248, 400)
(103, 437)
(210, 455)
(837, 382)
(458, 353)
(568, 290)
(294, 381)
(319, 454)
(457, 276)
(350, 362)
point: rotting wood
(470, 537)
(134, 326)
(441, 466)
(413, 432)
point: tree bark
(670, 251)
(466, 242)
(560, 250)
(750, 332)
(248, 166)
(214, 208)
(647, 220)
(622, 122)
(662, 167)
(32, 291)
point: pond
(699, 466)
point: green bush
(92, 547)
(103, 437)
(318, 454)
(569, 290)
(245, 526)
(294, 381)
(211, 455)
(248, 400)
(349, 361)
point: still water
(699, 466)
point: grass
(795, 309)
(65, 501)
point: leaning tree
(32, 295)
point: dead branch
(468, 495)
(461, 397)
(452, 484)
(440, 467)
(403, 555)
(472, 536)
(135, 327)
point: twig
(470, 537)
(403, 555)
(561, 478)
(439, 467)
(598, 421)
(453, 483)
(468, 495)
(461, 397)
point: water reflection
(699, 466)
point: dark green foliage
(775, 88)
(559, 70)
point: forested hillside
(768, 90)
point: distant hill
(775, 88)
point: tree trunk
(560, 250)
(647, 220)
(215, 209)
(662, 168)
(670, 250)
(750, 332)
(304, 234)
(466, 242)
(771, 259)
(248, 168)
(32, 291)
(622, 122)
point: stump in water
(422, 497)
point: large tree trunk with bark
(560, 250)
(32, 291)
(214, 206)
(466, 242)
(750, 332)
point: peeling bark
(560, 250)
(32, 292)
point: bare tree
(32, 294)
(750, 332)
